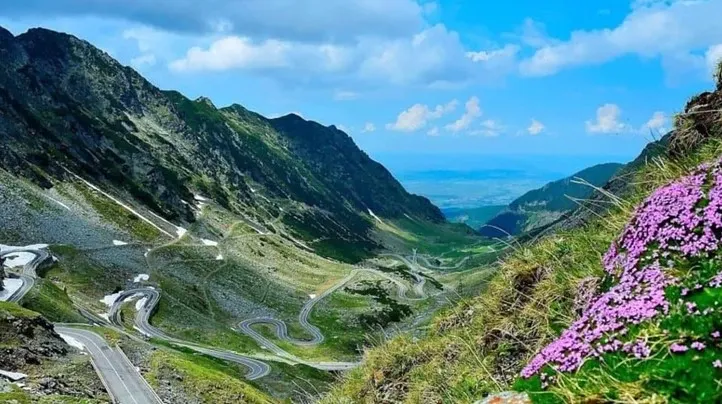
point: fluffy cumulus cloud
(657, 123)
(418, 115)
(607, 120)
(360, 43)
(432, 57)
(235, 52)
(472, 110)
(667, 28)
(535, 128)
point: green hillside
(620, 307)
(540, 207)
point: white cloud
(345, 95)
(656, 123)
(471, 112)
(368, 127)
(535, 128)
(607, 120)
(418, 115)
(653, 28)
(490, 128)
(713, 57)
(234, 52)
(433, 131)
(293, 20)
(434, 57)
(533, 33)
(505, 53)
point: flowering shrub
(678, 221)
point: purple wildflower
(715, 334)
(698, 345)
(675, 347)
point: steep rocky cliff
(68, 106)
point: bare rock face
(28, 339)
(2, 271)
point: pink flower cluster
(637, 297)
(673, 222)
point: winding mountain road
(443, 268)
(28, 273)
(257, 369)
(126, 385)
(281, 329)
(123, 382)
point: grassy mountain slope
(229, 215)
(668, 352)
(69, 106)
(540, 207)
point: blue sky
(595, 78)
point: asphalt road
(256, 368)
(281, 329)
(28, 273)
(120, 378)
(427, 264)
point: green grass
(52, 302)
(18, 396)
(204, 378)
(114, 213)
(480, 345)
(8, 308)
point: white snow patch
(312, 295)
(141, 277)
(146, 252)
(110, 299)
(253, 190)
(140, 303)
(13, 376)
(58, 202)
(180, 231)
(200, 198)
(219, 257)
(72, 341)
(105, 316)
(209, 242)
(374, 216)
(10, 286)
(124, 206)
(19, 259)
(118, 242)
(4, 247)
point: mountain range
(541, 207)
(70, 107)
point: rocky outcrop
(28, 339)
(2, 271)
